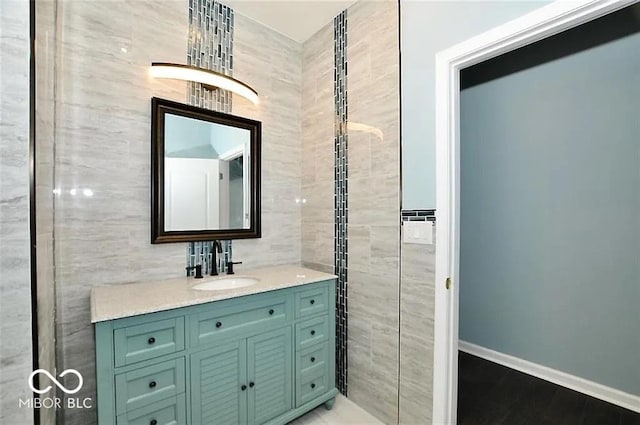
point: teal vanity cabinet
(257, 359)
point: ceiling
(297, 19)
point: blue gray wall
(428, 27)
(191, 138)
(188, 137)
(550, 214)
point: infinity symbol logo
(55, 381)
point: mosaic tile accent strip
(418, 215)
(340, 195)
(210, 46)
(202, 253)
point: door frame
(541, 23)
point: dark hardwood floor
(491, 394)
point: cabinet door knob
(313, 301)
(151, 341)
(251, 384)
(218, 324)
(313, 385)
(313, 359)
(153, 422)
(271, 311)
(152, 384)
(313, 332)
(244, 387)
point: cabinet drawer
(212, 326)
(147, 385)
(311, 357)
(166, 412)
(312, 383)
(311, 332)
(133, 344)
(312, 301)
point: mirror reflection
(207, 175)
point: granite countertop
(132, 299)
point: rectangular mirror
(205, 179)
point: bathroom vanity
(167, 353)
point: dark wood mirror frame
(160, 107)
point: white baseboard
(593, 389)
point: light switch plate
(418, 232)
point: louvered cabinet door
(218, 385)
(269, 369)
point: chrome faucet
(214, 263)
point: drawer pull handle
(271, 312)
(313, 332)
(151, 341)
(153, 422)
(251, 384)
(152, 384)
(243, 388)
(218, 324)
(312, 301)
(313, 359)
(313, 385)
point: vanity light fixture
(203, 76)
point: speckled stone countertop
(132, 299)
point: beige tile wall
(272, 64)
(45, 117)
(317, 150)
(374, 193)
(416, 333)
(15, 291)
(374, 205)
(103, 143)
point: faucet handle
(230, 266)
(198, 269)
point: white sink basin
(226, 283)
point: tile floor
(344, 412)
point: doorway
(552, 19)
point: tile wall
(102, 161)
(340, 193)
(102, 144)
(210, 46)
(318, 157)
(272, 64)
(15, 293)
(390, 295)
(45, 120)
(373, 222)
(417, 300)
(374, 203)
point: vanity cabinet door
(270, 367)
(219, 385)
